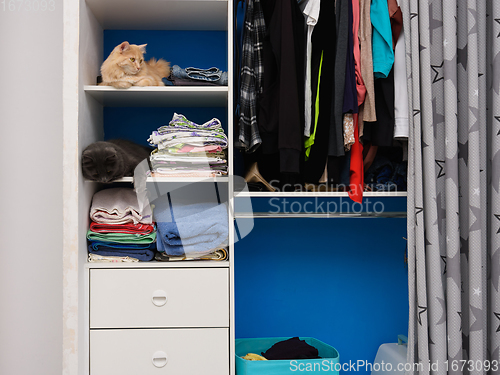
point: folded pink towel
(118, 206)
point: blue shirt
(383, 54)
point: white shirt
(401, 127)
(310, 9)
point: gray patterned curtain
(453, 65)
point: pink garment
(189, 148)
(367, 110)
(360, 85)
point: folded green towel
(122, 238)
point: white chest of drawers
(159, 321)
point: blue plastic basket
(325, 364)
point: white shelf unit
(157, 264)
(305, 194)
(178, 96)
(84, 22)
(83, 108)
(190, 180)
(161, 14)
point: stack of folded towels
(187, 149)
(187, 229)
(120, 230)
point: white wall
(31, 188)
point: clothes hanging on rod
(310, 9)
(328, 85)
(323, 55)
(251, 75)
(367, 108)
(336, 138)
(360, 84)
(350, 88)
(281, 104)
(401, 121)
(383, 53)
(381, 132)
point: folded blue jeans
(213, 74)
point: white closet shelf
(157, 264)
(265, 194)
(319, 215)
(160, 14)
(178, 179)
(160, 96)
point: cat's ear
(87, 155)
(142, 47)
(124, 46)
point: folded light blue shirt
(184, 228)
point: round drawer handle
(159, 298)
(159, 359)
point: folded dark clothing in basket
(293, 348)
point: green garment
(310, 140)
(123, 238)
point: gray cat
(106, 161)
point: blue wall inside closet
(342, 281)
(201, 49)
(136, 124)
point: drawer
(157, 298)
(173, 351)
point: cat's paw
(144, 82)
(122, 85)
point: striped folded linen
(122, 228)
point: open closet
(305, 268)
(316, 263)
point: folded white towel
(112, 259)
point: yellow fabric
(254, 357)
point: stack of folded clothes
(119, 229)
(190, 230)
(187, 149)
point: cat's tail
(161, 67)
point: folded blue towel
(184, 228)
(143, 252)
(111, 246)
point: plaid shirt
(252, 71)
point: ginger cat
(125, 67)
